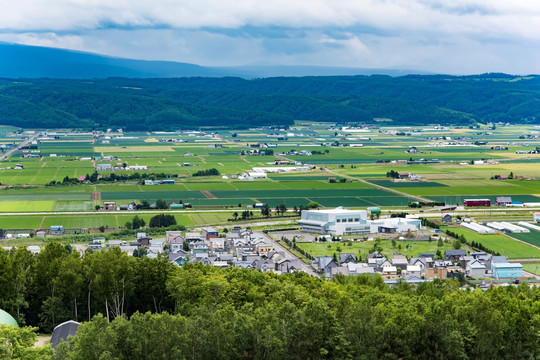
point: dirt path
(208, 194)
(41, 341)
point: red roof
(82, 178)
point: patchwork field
(447, 177)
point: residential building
(507, 270)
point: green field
(532, 237)
(504, 245)
(449, 180)
(408, 248)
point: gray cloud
(459, 36)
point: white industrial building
(340, 221)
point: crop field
(449, 178)
(26, 206)
(502, 244)
(532, 237)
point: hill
(170, 104)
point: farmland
(358, 173)
(502, 244)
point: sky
(439, 36)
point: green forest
(148, 309)
(170, 104)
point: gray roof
(498, 259)
(62, 331)
(458, 252)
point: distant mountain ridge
(168, 104)
(23, 61)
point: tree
(140, 251)
(161, 204)
(145, 204)
(235, 215)
(18, 344)
(102, 228)
(138, 222)
(457, 244)
(162, 220)
(313, 205)
(265, 210)
(98, 207)
(440, 242)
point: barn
(476, 202)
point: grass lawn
(408, 248)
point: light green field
(210, 218)
(26, 206)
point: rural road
(18, 146)
(289, 255)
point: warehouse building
(340, 221)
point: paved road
(18, 146)
(289, 255)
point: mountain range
(23, 61)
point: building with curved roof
(6, 319)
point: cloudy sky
(443, 36)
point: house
(476, 269)
(263, 248)
(454, 255)
(537, 217)
(193, 237)
(360, 268)
(290, 265)
(209, 232)
(389, 273)
(109, 205)
(345, 258)
(503, 200)
(446, 218)
(507, 270)
(178, 258)
(414, 270)
(56, 230)
(130, 207)
(495, 260)
(95, 246)
(399, 261)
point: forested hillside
(170, 104)
(203, 312)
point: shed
(6, 319)
(62, 331)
